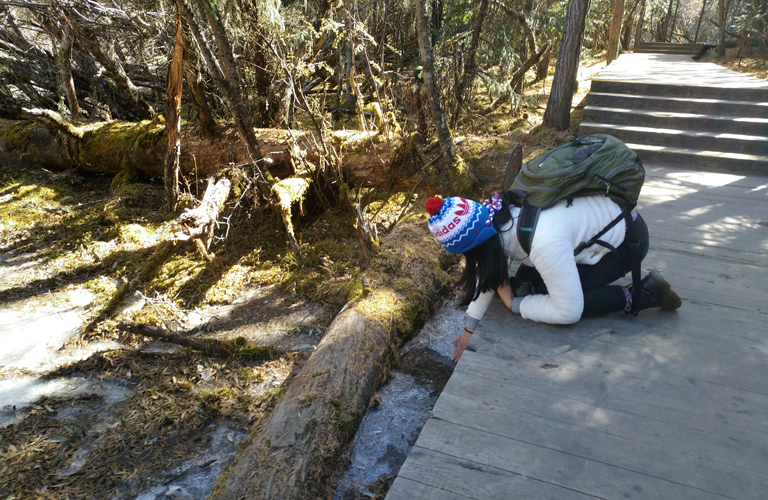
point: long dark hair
(486, 264)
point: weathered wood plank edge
(704, 412)
(582, 475)
(469, 402)
(448, 471)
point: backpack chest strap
(526, 226)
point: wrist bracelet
(469, 331)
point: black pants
(599, 297)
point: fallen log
(111, 147)
(291, 455)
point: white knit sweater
(559, 231)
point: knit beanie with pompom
(460, 224)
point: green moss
(132, 144)
(124, 183)
(16, 135)
(463, 180)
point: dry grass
(752, 61)
(129, 446)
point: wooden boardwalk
(665, 405)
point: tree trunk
(197, 93)
(470, 68)
(626, 30)
(638, 33)
(615, 34)
(64, 59)
(264, 109)
(173, 119)
(542, 67)
(720, 28)
(226, 59)
(667, 19)
(433, 90)
(698, 23)
(674, 22)
(349, 58)
(436, 20)
(287, 456)
(558, 112)
(421, 120)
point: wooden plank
(636, 367)
(591, 477)
(688, 456)
(746, 247)
(407, 489)
(472, 479)
(709, 408)
(676, 250)
(631, 345)
(733, 187)
(693, 211)
(668, 465)
(708, 275)
(748, 250)
(664, 190)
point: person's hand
(461, 344)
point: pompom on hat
(460, 224)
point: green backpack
(587, 166)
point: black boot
(656, 292)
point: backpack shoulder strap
(526, 226)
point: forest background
(173, 157)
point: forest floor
(118, 414)
(752, 62)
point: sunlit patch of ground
(752, 62)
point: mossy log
(291, 455)
(111, 147)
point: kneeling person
(552, 285)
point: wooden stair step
(657, 156)
(677, 120)
(722, 107)
(717, 141)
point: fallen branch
(238, 347)
(198, 225)
(55, 120)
